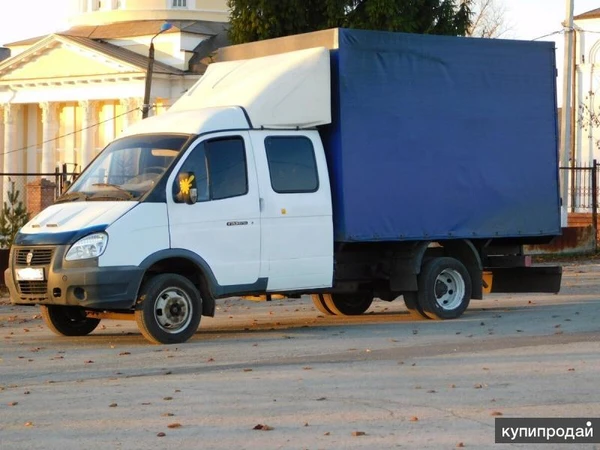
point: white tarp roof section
(288, 90)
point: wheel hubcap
(173, 310)
(449, 289)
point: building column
(50, 127)
(1, 137)
(132, 107)
(11, 155)
(88, 134)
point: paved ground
(315, 381)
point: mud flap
(527, 279)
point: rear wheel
(169, 309)
(444, 288)
(68, 320)
(347, 304)
(411, 300)
(319, 302)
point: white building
(63, 97)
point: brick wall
(40, 194)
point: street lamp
(146, 107)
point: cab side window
(219, 168)
(292, 164)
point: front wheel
(347, 304)
(169, 309)
(68, 320)
(444, 288)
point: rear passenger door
(296, 214)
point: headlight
(88, 247)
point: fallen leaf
(28, 424)
(496, 413)
(327, 433)
(320, 399)
(26, 393)
(112, 405)
(306, 424)
(13, 403)
(307, 368)
(174, 425)
(161, 434)
(431, 391)
(571, 369)
(89, 361)
(460, 445)
(210, 360)
(478, 386)
(177, 390)
(168, 398)
(358, 433)
(414, 419)
(262, 427)
(124, 353)
(167, 415)
(247, 370)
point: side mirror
(186, 190)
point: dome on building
(103, 12)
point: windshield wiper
(114, 186)
(71, 197)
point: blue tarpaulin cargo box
(442, 137)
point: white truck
(384, 165)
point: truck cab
(197, 204)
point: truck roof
(192, 121)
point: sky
(528, 19)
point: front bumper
(77, 283)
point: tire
(168, 309)
(68, 320)
(444, 289)
(347, 304)
(319, 303)
(411, 300)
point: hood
(62, 223)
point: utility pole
(565, 120)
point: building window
(292, 164)
(179, 3)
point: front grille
(33, 287)
(41, 256)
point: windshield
(127, 169)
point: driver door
(223, 226)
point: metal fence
(15, 185)
(583, 188)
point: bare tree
(488, 19)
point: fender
(215, 289)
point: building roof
(593, 14)
(133, 29)
(112, 51)
(123, 54)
